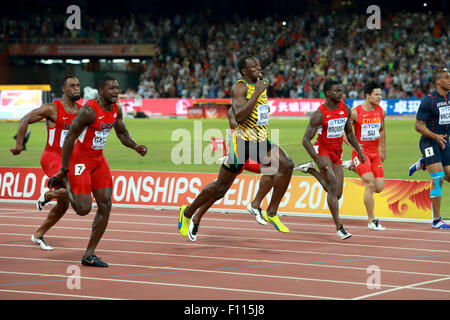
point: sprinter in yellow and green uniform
(249, 141)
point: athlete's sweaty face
(253, 68)
(72, 89)
(374, 97)
(335, 93)
(110, 92)
(444, 80)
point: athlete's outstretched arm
(314, 124)
(353, 117)
(383, 139)
(46, 111)
(351, 138)
(124, 136)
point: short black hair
(437, 73)
(328, 84)
(243, 63)
(368, 88)
(66, 77)
(101, 83)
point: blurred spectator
(298, 53)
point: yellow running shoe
(276, 222)
(183, 222)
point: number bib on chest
(370, 131)
(263, 115)
(336, 128)
(444, 115)
(99, 141)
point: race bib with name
(444, 115)
(370, 131)
(336, 128)
(263, 115)
(99, 141)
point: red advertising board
(278, 107)
(400, 199)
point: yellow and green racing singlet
(255, 127)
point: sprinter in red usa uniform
(58, 118)
(84, 164)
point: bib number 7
(79, 168)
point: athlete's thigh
(101, 175)
(278, 157)
(376, 166)
(445, 154)
(50, 163)
(431, 150)
(379, 184)
(328, 175)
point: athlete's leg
(339, 174)
(379, 185)
(332, 193)
(81, 203)
(56, 213)
(369, 188)
(103, 200)
(265, 184)
(436, 187)
(447, 173)
(212, 192)
(283, 165)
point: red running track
(234, 258)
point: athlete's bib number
(336, 128)
(370, 131)
(63, 137)
(444, 115)
(263, 115)
(79, 168)
(100, 138)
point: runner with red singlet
(58, 118)
(330, 121)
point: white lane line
(185, 286)
(166, 243)
(58, 294)
(411, 286)
(247, 238)
(184, 256)
(225, 272)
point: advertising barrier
(181, 107)
(403, 200)
(278, 107)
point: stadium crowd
(198, 57)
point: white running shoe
(347, 164)
(192, 230)
(41, 242)
(40, 203)
(257, 213)
(304, 167)
(375, 225)
(344, 234)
